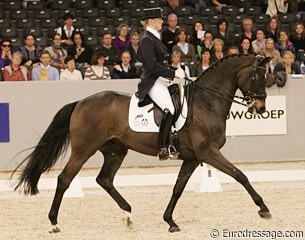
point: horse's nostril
(262, 110)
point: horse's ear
(264, 61)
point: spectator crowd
(68, 57)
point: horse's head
(254, 86)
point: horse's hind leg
(218, 161)
(63, 182)
(185, 173)
(114, 153)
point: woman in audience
(283, 44)
(273, 28)
(205, 61)
(218, 52)
(288, 65)
(122, 41)
(70, 73)
(208, 41)
(176, 63)
(14, 71)
(5, 53)
(197, 37)
(187, 50)
(133, 47)
(298, 37)
(246, 46)
(260, 42)
(30, 52)
(125, 70)
(81, 52)
(97, 70)
(223, 34)
(57, 52)
(270, 51)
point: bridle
(250, 97)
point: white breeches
(160, 95)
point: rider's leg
(160, 95)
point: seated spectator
(205, 62)
(247, 29)
(30, 52)
(97, 70)
(298, 37)
(133, 47)
(122, 41)
(273, 28)
(220, 4)
(111, 53)
(125, 70)
(82, 53)
(223, 34)
(6, 53)
(44, 71)
(16, 72)
(57, 52)
(259, 43)
(169, 34)
(176, 63)
(70, 73)
(233, 50)
(208, 41)
(173, 4)
(284, 44)
(197, 37)
(288, 65)
(217, 53)
(276, 7)
(66, 32)
(187, 50)
(270, 51)
(246, 46)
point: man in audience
(168, 35)
(111, 53)
(45, 71)
(5, 53)
(233, 50)
(16, 72)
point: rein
(249, 99)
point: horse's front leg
(217, 160)
(185, 173)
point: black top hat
(152, 13)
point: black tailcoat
(154, 56)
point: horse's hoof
(54, 229)
(174, 229)
(266, 215)
(127, 221)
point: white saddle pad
(141, 120)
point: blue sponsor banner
(4, 123)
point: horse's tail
(53, 143)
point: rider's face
(156, 23)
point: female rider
(156, 75)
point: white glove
(179, 73)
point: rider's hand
(179, 73)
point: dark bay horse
(99, 123)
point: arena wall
(32, 106)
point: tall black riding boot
(164, 131)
